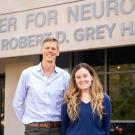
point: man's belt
(47, 124)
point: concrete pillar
(12, 71)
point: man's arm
(19, 97)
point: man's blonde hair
(50, 39)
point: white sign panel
(79, 25)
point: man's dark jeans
(42, 131)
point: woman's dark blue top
(87, 123)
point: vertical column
(12, 72)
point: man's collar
(39, 68)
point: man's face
(50, 51)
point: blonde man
(41, 88)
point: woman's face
(83, 79)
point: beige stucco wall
(12, 71)
(76, 24)
(8, 6)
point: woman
(87, 110)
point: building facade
(101, 33)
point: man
(41, 88)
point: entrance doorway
(2, 103)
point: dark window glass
(122, 94)
(121, 67)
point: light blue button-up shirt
(38, 98)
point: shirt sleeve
(64, 119)
(107, 114)
(67, 78)
(19, 97)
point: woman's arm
(64, 119)
(107, 114)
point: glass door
(2, 103)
